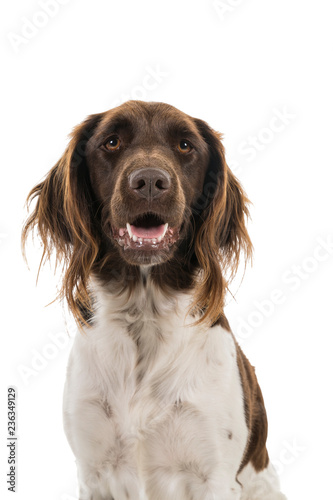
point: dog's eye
(184, 146)
(113, 143)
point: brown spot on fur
(107, 409)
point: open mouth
(147, 232)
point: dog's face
(147, 164)
(143, 185)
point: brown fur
(255, 413)
(73, 205)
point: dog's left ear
(222, 236)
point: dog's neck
(148, 300)
(145, 299)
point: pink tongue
(148, 232)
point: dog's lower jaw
(146, 259)
(143, 251)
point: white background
(237, 67)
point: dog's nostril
(149, 182)
(137, 184)
(162, 184)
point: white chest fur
(153, 407)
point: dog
(149, 224)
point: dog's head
(143, 185)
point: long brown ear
(222, 236)
(63, 218)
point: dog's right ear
(63, 214)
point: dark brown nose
(149, 183)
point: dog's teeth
(128, 227)
(165, 229)
(136, 239)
